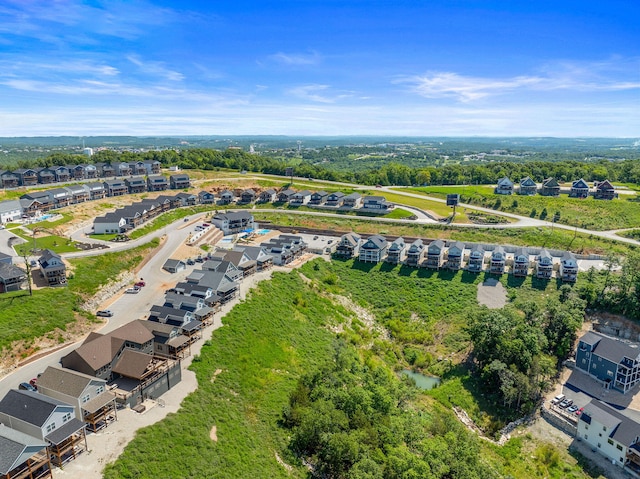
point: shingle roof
(9, 271)
(609, 348)
(62, 433)
(28, 406)
(133, 364)
(65, 381)
(133, 332)
(619, 427)
(14, 445)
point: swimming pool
(263, 232)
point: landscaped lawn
(57, 244)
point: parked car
(134, 290)
(186, 219)
(34, 382)
(140, 284)
(572, 408)
(190, 262)
(566, 403)
(579, 411)
(104, 313)
(27, 387)
(558, 399)
(199, 259)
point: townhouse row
(22, 177)
(35, 203)
(601, 190)
(456, 255)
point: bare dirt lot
(492, 294)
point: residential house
(111, 223)
(179, 181)
(247, 196)
(152, 167)
(77, 194)
(579, 189)
(105, 170)
(615, 363)
(5, 258)
(373, 249)
(376, 203)
(174, 265)
(353, 200)
(285, 248)
(53, 268)
(96, 191)
(226, 197)
(93, 403)
(115, 187)
(138, 168)
(435, 254)
(46, 176)
(196, 290)
(168, 340)
(528, 187)
(318, 198)
(136, 184)
(550, 187)
(10, 211)
(224, 289)
(39, 202)
(568, 267)
(504, 186)
(258, 254)
(61, 197)
(62, 174)
(349, 245)
(8, 179)
(476, 259)
(397, 251)
(46, 419)
(223, 266)
(180, 318)
(23, 456)
(123, 169)
(157, 183)
(285, 195)
(415, 253)
(610, 433)
(90, 171)
(521, 262)
(335, 199)
(544, 265)
(187, 199)
(498, 260)
(234, 222)
(77, 172)
(267, 196)
(237, 258)
(26, 176)
(300, 198)
(206, 198)
(605, 191)
(455, 254)
(184, 302)
(11, 277)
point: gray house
(528, 187)
(454, 256)
(504, 186)
(521, 262)
(476, 259)
(174, 265)
(544, 265)
(415, 253)
(498, 260)
(397, 251)
(435, 254)
(349, 245)
(11, 277)
(23, 456)
(53, 268)
(568, 267)
(373, 249)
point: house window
(604, 428)
(599, 445)
(51, 427)
(586, 436)
(610, 441)
(586, 426)
(66, 417)
(619, 447)
(99, 389)
(86, 398)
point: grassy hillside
(248, 377)
(589, 213)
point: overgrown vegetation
(276, 382)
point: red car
(140, 284)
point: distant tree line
(389, 173)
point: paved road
(126, 307)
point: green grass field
(588, 213)
(57, 244)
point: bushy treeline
(615, 289)
(354, 420)
(389, 173)
(518, 352)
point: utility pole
(25, 256)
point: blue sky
(418, 68)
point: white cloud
(155, 68)
(586, 77)
(296, 59)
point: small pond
(422, 381)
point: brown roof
(133, 331)
(98, 402)
(99, 351)
(65, 381)
(133, 364)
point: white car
(134, 290)
(558, 399)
